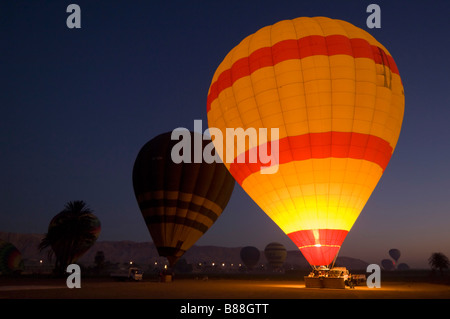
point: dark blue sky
(78, 104)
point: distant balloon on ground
(387, 264)
(395, 254)
(275, 254)
(250, 256)
(10, 258)
(403, 266)
(179, 201)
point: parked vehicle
(133, 273)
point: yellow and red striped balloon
(336, 96)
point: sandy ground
(213, 289)
(216, 298)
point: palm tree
(70, 234)
(439, 261)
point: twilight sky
(78, 104)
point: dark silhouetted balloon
(179, 201)
(250, 256)
(10, 258)
(275, 254)
(403, 266)
(395, 254)
(387, 264)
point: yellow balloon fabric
(336, 96)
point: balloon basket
(313, 282)
(323, 282)
(166, 278)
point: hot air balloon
(275, 254)
(395, 254)
(179, 201)
(335, 95)
(403, 266)
(250, 256)
(10, 258)
(387, 264)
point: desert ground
(214, 288)
(215, 297)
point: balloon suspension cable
(335, 257)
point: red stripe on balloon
(319, 246)
(314, 146)
(298, 49)
(312, 237)
(321, 256)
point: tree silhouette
(70, 234)
(439, 261)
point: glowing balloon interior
(336, 96)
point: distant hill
(145, 253)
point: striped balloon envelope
(335, 95)
(275, 254)
(179, 201)
(10, 258)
